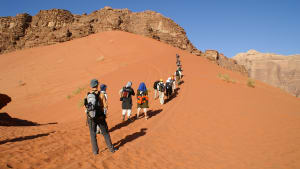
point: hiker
(155, 89)
(161, 90)
(125, 96)
(180, 68)
(178, 63)
(94, 104)
(142, 100)
(104, 94)
(177, 56)
(177, 60)
(178, 76)
(169, 89)
(173, 83)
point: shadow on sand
(7, 120)
(181, 82)
(122, 124)
(173, 95)
(150, 113)
(130, 138)
(25, 138)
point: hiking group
(96, 104)
(162, 89)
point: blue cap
(103, 87)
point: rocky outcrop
(277, 70)
(224, 62)
(12, 29)
(57, 25)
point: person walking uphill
(177, 57)
(161, 90)
(126, 93)
(142, 100)
(155, 89)
(178, 76)
(169, 87)
(94, 105)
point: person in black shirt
(125, 94)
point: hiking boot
(130, 119)
(113, 150)
(98, 132)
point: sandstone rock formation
(57, 25)
(223, 61)
(277, 70)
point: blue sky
(229, 26)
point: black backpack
(155, 85)
(168, 86)
(161, 87)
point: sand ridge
(209, 124)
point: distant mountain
(277, 70)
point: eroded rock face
(57, 25)
(224, 62)
(12, 29)
(277, 70)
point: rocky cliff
(57, 25)
(277, 70)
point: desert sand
(210, 124)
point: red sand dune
(211, 124)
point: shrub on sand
(251, 83)
(78, 90)
(226, 78)
(80, 103)
(75, 92)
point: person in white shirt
(161, 91)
